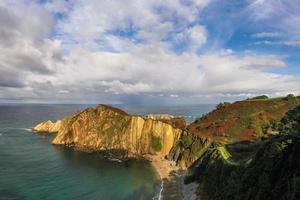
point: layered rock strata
(109, 128)
(48, 127)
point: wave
(115, 160)
(14, 128)
(26, 129)
(161, 189)
(158, 195)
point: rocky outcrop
(108, 128)
(177, 122)
(188, 149)
(160, 116)
(47, 127)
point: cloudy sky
(148, 51)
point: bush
(222, 105)
(156, 143)
(261, 97)
(289, 96)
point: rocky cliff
(48, 127)
(108, 128)
(188, 149)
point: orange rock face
(108, 128)
(47, 127)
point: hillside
(273, 172)
(242, 120)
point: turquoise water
(33, 169)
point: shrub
(222, 105)
(156, 143)
(289, 96)
(260, 97)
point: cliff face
(188, 149)
(47, 127)
(108, 128)
(177, 122)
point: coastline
(172, 180)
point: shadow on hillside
(244, 149)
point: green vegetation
(156, 143)
(188, 149)
(211, 170)
(289, 96)
(289, 124)
(273, 172)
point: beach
(172, 180)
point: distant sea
(33, 169)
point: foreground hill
(242, 120)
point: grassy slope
(242, 120)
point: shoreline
(172, 185)
(171, 177)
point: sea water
(31, 168)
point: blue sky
(148, 51)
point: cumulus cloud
(193, 38)
(24, 45)
(156, 70)
(91, 24)
(118, 51)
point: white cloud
(153, 69)
(63, 92)
(280, 15)
(194, 37)
(24, 45)
(293, 43)
(267, 35)
(283, 15)
(174, 95)
(119, 50)
(93, 22)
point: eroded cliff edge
(109, 128)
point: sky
(148, 51)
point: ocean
(31, 168)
